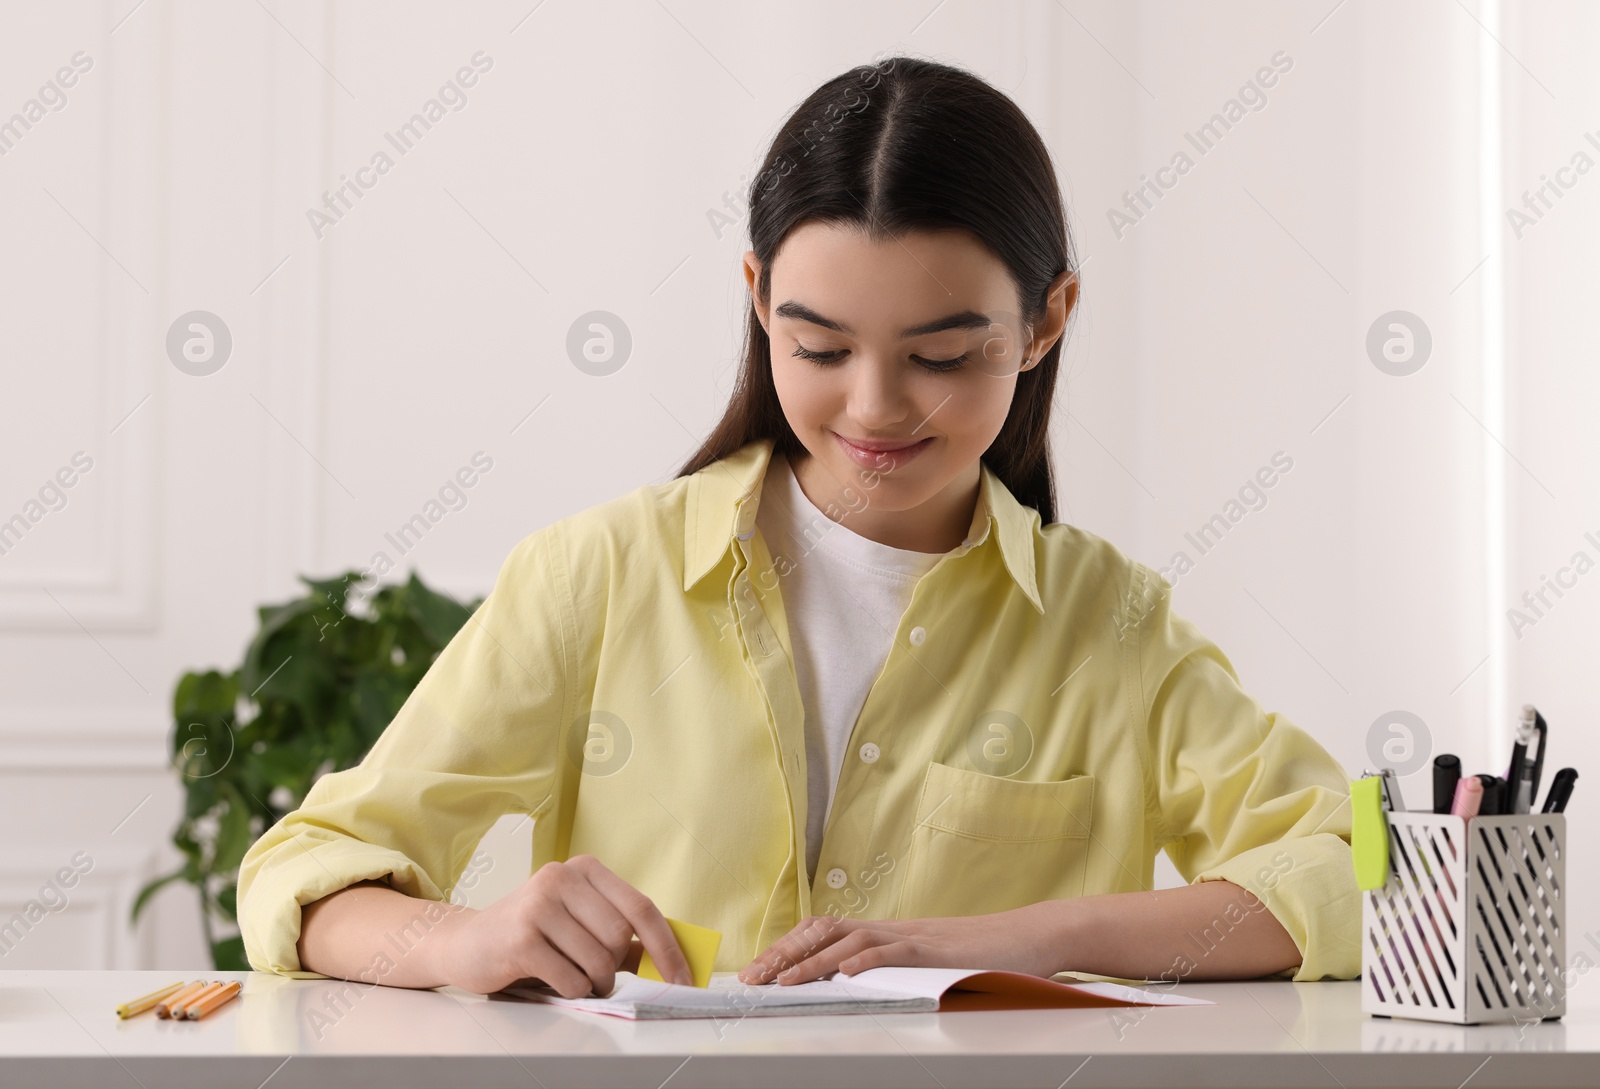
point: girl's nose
(879, 396)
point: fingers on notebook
(643, 918)
(595, 964)
(803, 944)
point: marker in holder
(1471, 925)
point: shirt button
(869, 753)
(837, 878)
(747, 535)
(917, 636)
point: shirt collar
(723, 497)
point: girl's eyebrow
(966, 319)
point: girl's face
(895, 363)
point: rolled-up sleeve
(478, 737)
(1246, 796)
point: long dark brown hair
(899, 145)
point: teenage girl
(844, 690)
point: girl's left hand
(1028, 940)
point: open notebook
(877, 990)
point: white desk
(60, 1029)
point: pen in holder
(1471, 924)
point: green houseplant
(321, 678)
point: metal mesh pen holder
(1471, 926)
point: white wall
(1552, 447)
(1227, 324)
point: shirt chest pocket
(981, 843)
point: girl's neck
(937, 525)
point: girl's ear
(1060, 298)
(752, 277)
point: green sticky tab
(699, 945)
(1369, 833)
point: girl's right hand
(570, 925)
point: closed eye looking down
(825, 358)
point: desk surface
(60, 1029)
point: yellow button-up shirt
(1042, 726)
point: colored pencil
(179, 1009)
(202, 1006)
(139, 1005)
(165, 1008)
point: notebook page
(637, 998)
(886, 990)
(926, 982)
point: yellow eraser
(699, 946)
(1369, 833)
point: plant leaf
(376, 697)
(203, 747)
(227, 955)
(202, 796)
(228, 901)
(331, 593)
(233, 833)
(304, 675)
(284, 767)
(438, 615)
(207, 695)
(274, 619)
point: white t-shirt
(844, 596)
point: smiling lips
(881, 453)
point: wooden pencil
(139, 1005)
(164, 1009)
(178, 1009)
(204, 1005)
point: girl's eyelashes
(825, 358)
(820, 357)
